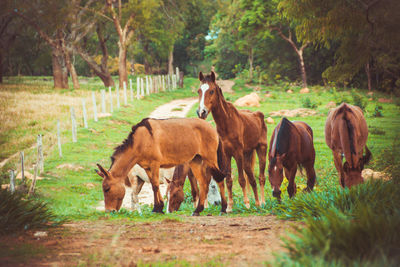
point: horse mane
(350, 128)
(225, 104)
(283, 137)
(128, 142)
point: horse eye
(106, 190)
(211, 92)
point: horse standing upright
(346, 133)
(291, 145)
(165, 143)
(242, 132)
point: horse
(346, 133)
(291, 145)
(175, 194)
(155, 144)
(242, 132)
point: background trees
(351, 42)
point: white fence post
(125, 96)
(85, 124)
(73, 122)
(40, 153)
(111, 100)
(131, 88)
(59, 138)
(147, 85)
(177, 74)
(151, 84)
(103, 100)
(12, 181)
(169, 82)
(141, 87)
(94, 106)
(22, 166)
(163, 82)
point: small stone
(270, 120)
(40, 234)
(304, 91)
(289, 91)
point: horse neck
(121, 167)
(221, 115)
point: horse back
(254, 127)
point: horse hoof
(222, 213)
(195, 214)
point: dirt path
(226, 85)
(233, 241)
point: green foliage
(306, 102)
(358, 100)
(18, 213)
(378, 111)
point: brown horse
(242, 132)
(175, 194)
(156, 143)
(346, 133)
(291, 145)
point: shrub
(358, 100)
(378, 111)
(17, 213)
(307, 103)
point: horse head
(175, 196)
(208, 94)
(275, 174)
(113, 190)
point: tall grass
(17, 213)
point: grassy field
(29, 106)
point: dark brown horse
(164, 143)
(242, 132)
(346, 133)
(291, 145)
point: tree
(366, 32)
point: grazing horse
(175, 194)
(291, 145)
(155, 144)
(242, 132)
(346, 133)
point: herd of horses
(200, 152)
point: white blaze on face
(204, 88)
(168, 198)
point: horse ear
(103, 171)
(99, 173)
(168, 180)
(201, 76)
(212, 76)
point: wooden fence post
(181, 79)
(169, 83)
(177, 74)
(111, 100)
(12, 181)
(73, 122)
(125, 96)
(147, 85)
(40, 153)
(59, 138)
(85, 124)
(137, 88)
(163, 82)
(33, 184)
(94, 106)
(151, 84)
(103, 101)
(22, 167)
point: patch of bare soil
(226, 85)
(298, 112)
(234, 241)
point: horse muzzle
(202, 114)
(276, 194)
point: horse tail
(219, 174)
(346, 130)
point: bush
(358, 100)
(378, 111)
(17, 213)
(307, 103)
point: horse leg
(153, 174)
(242, 181)
(197, 169)
(223, 197)
(337, 158)
(249, 159)
(291, 175)
(136, 188)
(310, 177)
(229, 183)
(262, 159)
(194, 187)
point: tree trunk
(368, 71)
(71, 70)
(60, 74)
(1, 66)
(302, 68)
(171, 61)
(123, 75)
(251, 59)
